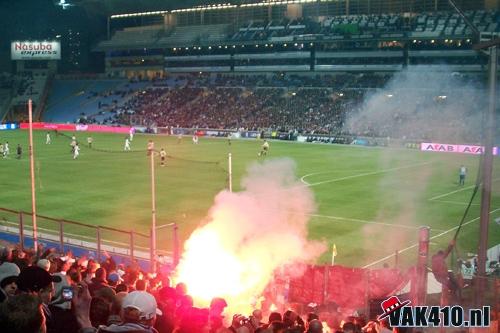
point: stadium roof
(110, 7)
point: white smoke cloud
(423, 104)
(249, 234)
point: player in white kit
(76, 151)
(127, 144)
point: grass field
(370, 201)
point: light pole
(32, 171)
(153, 212)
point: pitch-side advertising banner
(38, 50)
(462, 149)
(73, 127)
(8, 126)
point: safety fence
(85, 239)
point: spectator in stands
(114, 279)
(90, 270)
(141, 285)
(139, 310)
(274, 316)
(100, 310)
(440, 269)
(122, 287)
(277, 327)
(349, 327)
(193, 319)
(315, 326)
(99, 281)
(64, 320)
(130, 279)
(256, 319)
(292, 319)
(8, 280)
(217, 306)
(37, 281)
(44, 264)
(22, 314)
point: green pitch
(370, 201)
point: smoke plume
(423, 104)
(249, 234)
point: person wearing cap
(8, 280)
(60, 306)
(114, 279)
(44, 264)
(139, 310)
(36, 281)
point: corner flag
(334, 253)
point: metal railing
(68, 234)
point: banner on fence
(449, 148)
(8, 126)
(77, 127)
(345, 286)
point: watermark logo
(401, 314)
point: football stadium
(249, 166)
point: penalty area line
(364, 174)
(431, 238)
(347, 219)
(456, 191)
(455, 202)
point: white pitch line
(165, 225)
(455, 202)
(368, 174)
(364, 221)
(433, 237)
(452, 192)
(303, 178)
(456, 191)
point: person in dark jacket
(99, 281)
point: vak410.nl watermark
(402, 314)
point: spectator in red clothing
(440, 269)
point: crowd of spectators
(299, 104)
(302, 104)
(51, 292)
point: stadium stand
(23, 86)
(80, 100)
(135, 36)
(301, 104)
(422, 25)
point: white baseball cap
(8, 269)
(44, 264)
(142, 301)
